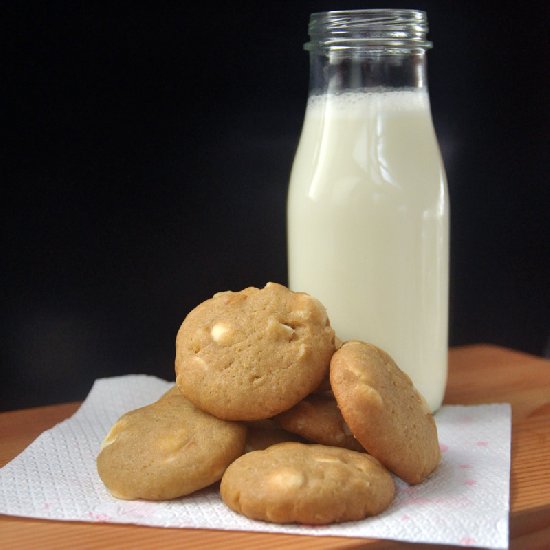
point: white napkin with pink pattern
(465, 502)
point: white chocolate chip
(300, 314)
(279, 330)
(222, 334)
(356, 370)
(370, 394)
(287, 479)
(200, 362)
(311, 309)
(110, 438)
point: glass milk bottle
(368, 211)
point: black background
(146, 160)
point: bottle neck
(337, 74)
(366, 50)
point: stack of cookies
(299, 427)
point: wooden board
(477, 374)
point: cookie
(252, 354)
(324, 386)
(385, 412)
(167, 450)
(261, 434)
(317, 418)
(307, 484)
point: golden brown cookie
(167, 449)
(251, 354)
(384, 410)
(261, 434)
(317, 418)
(311, 484)
(324, 386)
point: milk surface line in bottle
(368, 209)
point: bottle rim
(372, 29)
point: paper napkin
(465, 502)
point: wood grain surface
(477, 374)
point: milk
(368, 226)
